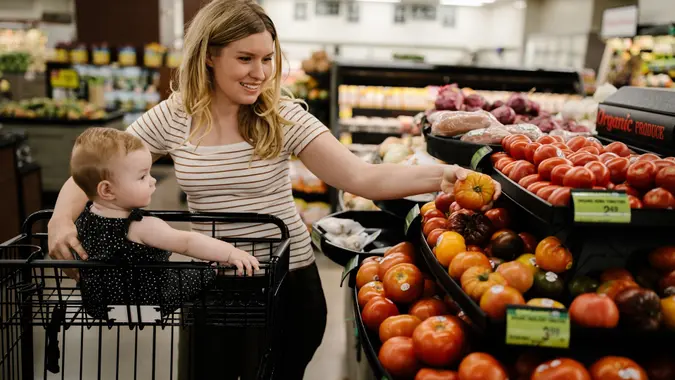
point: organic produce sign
(478, 156)
(600, 207)
(532, 326)
(635, 126)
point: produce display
(46, 108)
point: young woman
(230, 133)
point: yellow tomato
(545, 302)
(530, 261)
(449, 245)
(668, 310)
(427, 206)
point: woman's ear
(105, 190)
(209, 61)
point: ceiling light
(465, 3)
(520, 4)
(380, 1)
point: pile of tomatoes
(551, 167)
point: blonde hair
(216, 25)
(92, 153)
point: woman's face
(242, 68)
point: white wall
(656, 11)
(566, 16)
(33, 9)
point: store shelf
(453, 150)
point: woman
(230, 134)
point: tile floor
(328, 363)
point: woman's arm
(62, 233)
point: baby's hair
(92, 153)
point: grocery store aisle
(327, 363)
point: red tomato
(521, 170)
(616, 368)
(533, 188)
(427, 308)
(658, 198)
(545, 167)
(481, 366)
(435, 223)
(592, 141)
(529, 152)
(582, 158)
(507, 169)
(618, 167)
(618, 148)
(590, 149)
(641, 175)
(559, 139)
(507, 142)
(558, 173)
(433, 236)
(546, 191)
(634, 202)
(403, 283)
(528, 180)
(429, 286)
(594, 310)
(562, 146)
(376, 311)
(561, 369)
(662, 163)
(439, 341)
(665, 178)
(578, 142)
(397, 356)
(529, 240)
(544, 152)
(518, 149)
(398, 325)
(600, 172)
(368, 291)
(368, 271)
(502, 162)
(560, 197)
(579, 178)
(433, 213)
(497, 156)
(663, 258)
(605, 157)
(391, 260)
(443, 202)
(546, 139)
(499, 217)
(648, 157)
(436, 374)
(628, 189)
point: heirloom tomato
(663, 258)
(552, 255)
(495, 300)
(477, 280)
(449, 245)
(517, 275)
(475, 191)
(466, 260)
(594, 310)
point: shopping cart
(45, 332)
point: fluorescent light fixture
(466, 3)
(380, 1)
(520, 4)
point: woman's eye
(268, 59)
(245, 59)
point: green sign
(600, 207)
(412, 214)
(478, 156)
(351, 264)
(532, 326)
(316, 238)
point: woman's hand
(454, 173)
(62, 238)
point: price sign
(64, 78)
(478, 156)
(351, 264)
(316, 238)
(532, 326)
(600, 207)
(412, 214)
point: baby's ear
(105, 190)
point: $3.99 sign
(536, 326)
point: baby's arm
(157, 233)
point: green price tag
(478, 156)
(600, 207)
(531, 326)
(351, 264)
(316, 238)
(412, 214)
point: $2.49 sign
(600, 207)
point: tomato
(403, 283)
(435, 223)
(521, 169)
(661, 367)
(449, 245)
(628, 189)
(475, 191)
(600, 172)
(641, 175)
(617, 368)
(501, 164)
(668, 311)
(560, 197)
(546, 191)
(497, 156)
(582, 158)
(405, 247)
(546, 151)
(474, 248)
(605, 157)
(499, 232)
(618, 148)
(376, 311)
(670, 159)
(466, 260)
(398, 325)
(439, 341)
(481, 366)
(594, 310)
(434, 235)
(553, 256)
(397, 356)
(558, 173)
(518, 149)
(429, 286)
(667, 281)
(528, 180)
(546, 139)
(533, 188)
(648, 157)
(495, 300)
(579, 178)
(529, 151)
(499, 217)
(634, 202)
(561, 369)
(612, 288)
(428, 307)
(517, 275)
(372, 258)
(529, 261)
(545, 167)
(590, 149)
(662, 163)
(367, 272)
(526, 364)
(368, 291)
(529, 240)
(658, 198)
(431, 214)
(436, 374)
(618, 168)
(615, 274)
(477, 280)
(391, 260)
(443, 202)
(578, 142)
(545, 302)
(663, 258)
(427, 206)
(508, 141)
(562, 146)
(509, 167)
(592, 141)
(665, 178)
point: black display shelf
(398, 207)
(452, 150)
(383, 112)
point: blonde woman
(230, 133)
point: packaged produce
(453, 123)
(492, 135)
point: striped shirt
(225, 178)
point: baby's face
(132, 180)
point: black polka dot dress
(105, 239)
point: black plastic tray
(390, 224)
(452, 150)
(398, 207)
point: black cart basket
(46, 332)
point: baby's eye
(143, 177)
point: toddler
(113, 168)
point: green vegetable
(582, 284)
(548, 284)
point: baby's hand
(242, 259)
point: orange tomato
(615, 274)
(405, 247)
(433, 236)
(398, 325)
(466, 260)
(612, 288)
(517, 275)
(428, 307)
(428, 206)
(552, 256)
(477, 280)
(367, 272)
(668, 311)
(449, 245)
(368, 291)
(391, 260)
(403, 283)
(494, 300)
(616, 368)
(475, 191)
(481, 366)
(561, 369)
(436, 374)
(397, 356)
(529, 261)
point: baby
(112, 167)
